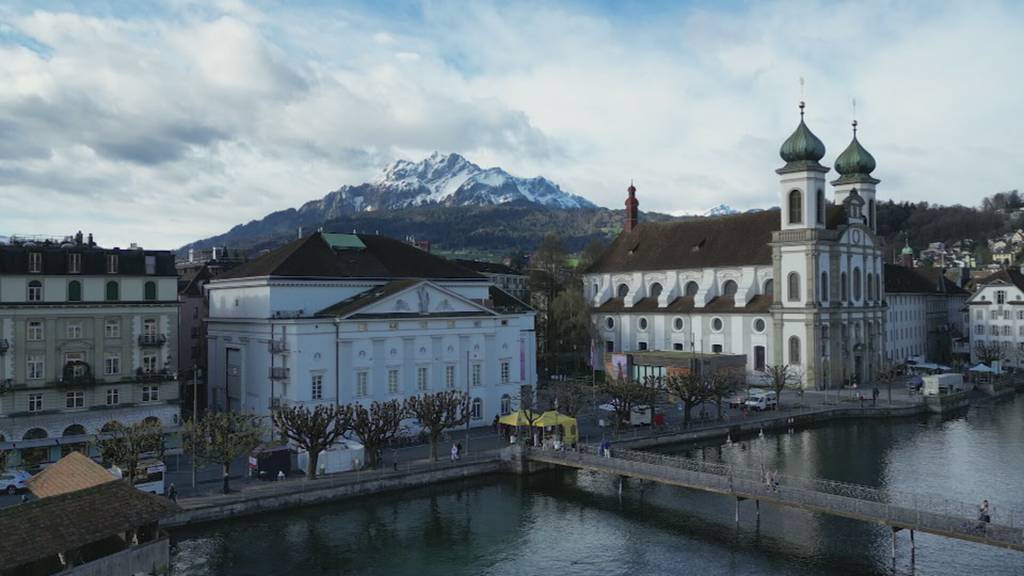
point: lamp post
(196, 372)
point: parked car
(763, 401)
(740, 398)
(13, 481)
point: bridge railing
(931, 511)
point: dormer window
(74, 263)
(35, 262)
(112, 264)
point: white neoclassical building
(996, 316)
(800, 286)
(356, 318)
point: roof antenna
(801, 98)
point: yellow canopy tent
(553, 418)
(519, 418)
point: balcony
(76, 374)
(153, 375)
(278, 347)
(278, 373)
(152, 340)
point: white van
(763, 401)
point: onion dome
(855, 164)
(802, 148)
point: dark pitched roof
(903, 280)
(14, 259)
(487, 267)
(685, 305)
(191, 281)
(353, 303)
(350, 256)
(1008, 275)
(48, 526)
(505, 303)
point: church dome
(855, 160)
(802, 145)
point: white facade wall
(997, 316)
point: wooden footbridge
(914, 512)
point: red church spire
(632, 213)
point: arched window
(74, 291)
(769, 287)
(844, 294)
(691, 289)
(476, 410)
(871, 287)
(793, 287)
(824, 286)
(878, 287)
(655, 290)
(856, 285)
(35, 291)
(609, 322)
(506, 404)
(729, 288)
(821, 207)
(74, 430)
(622, 291)
(149, 291)
(35, 434)
(794, 350)
(796, 207)
(111, 426)
(113, 291)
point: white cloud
(166, 128)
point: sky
(163, 123)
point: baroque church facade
(801, 286)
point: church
(801, 286)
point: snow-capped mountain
(720, 210)
(444, 179)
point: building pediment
(405, 298)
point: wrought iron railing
(152, 339)
(279, 373)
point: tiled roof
(48, 526)
(685, 305)
(365, 256)
(1008, 275)
(487, 267)
(75, 471)
(903, 280)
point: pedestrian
(860, 396)
(495, 424)
(172, 493)
(455, 452)
(225, 480)
(458, 451)
(983, 512)
(280, 475)
(874, 396)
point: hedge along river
(576, 523)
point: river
(576, 523)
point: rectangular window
(980, 315)
(392, 325)
(1006, 314)
(476, 379)
(641, 345)
(73, 330)
(74, 400)
(716, 348)
(149, 363)
(35, 291)
(150, 393)
(505, 372)
(1006, 331)
(35, 262)
(449, 376)
(35, 402)
(77, 360)
(677, 346)
(979, 329)
(994, 314)
(149, 327)
(74, 263)
(113, 397)
(1020, 314)
(34, 367)
(1000, 296)
(112, 364)
(609, 346)
(361, 384)
(35, 330)
(995, 330)
(112, 264)
(150, 265)
(393, 381)
(112, 328)
(317, 387)
(421, 378)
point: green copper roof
(855, 160)
(802, 146)
(907, 250)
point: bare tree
(691, 389)
(989, 352)
(128, 443)
(778, 377)
(221, 438)
(377, 426)
(569, 395)
(531, 411)
(625, 395)
(438, 412)
(313, 430)
(889, 373)
(722, 383)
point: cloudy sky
(168, 122)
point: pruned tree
(221, 438)
(438, 412)
(127, 445)
(691, 389)
(313, 430)
(625, 395)
(722, 383)
(889, 373)
(988, 352)
(376, 426)
(778, 377)
(568, 396)
(527, 402)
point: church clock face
(855, 236)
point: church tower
(802, 179)
(854, 166)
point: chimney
(91, 243)
(631, 209)
(78, 238)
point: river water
(576, 523)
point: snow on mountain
(445, 179)
(720, 210)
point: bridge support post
(894, 530)
(757, 507)
(913, 549)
